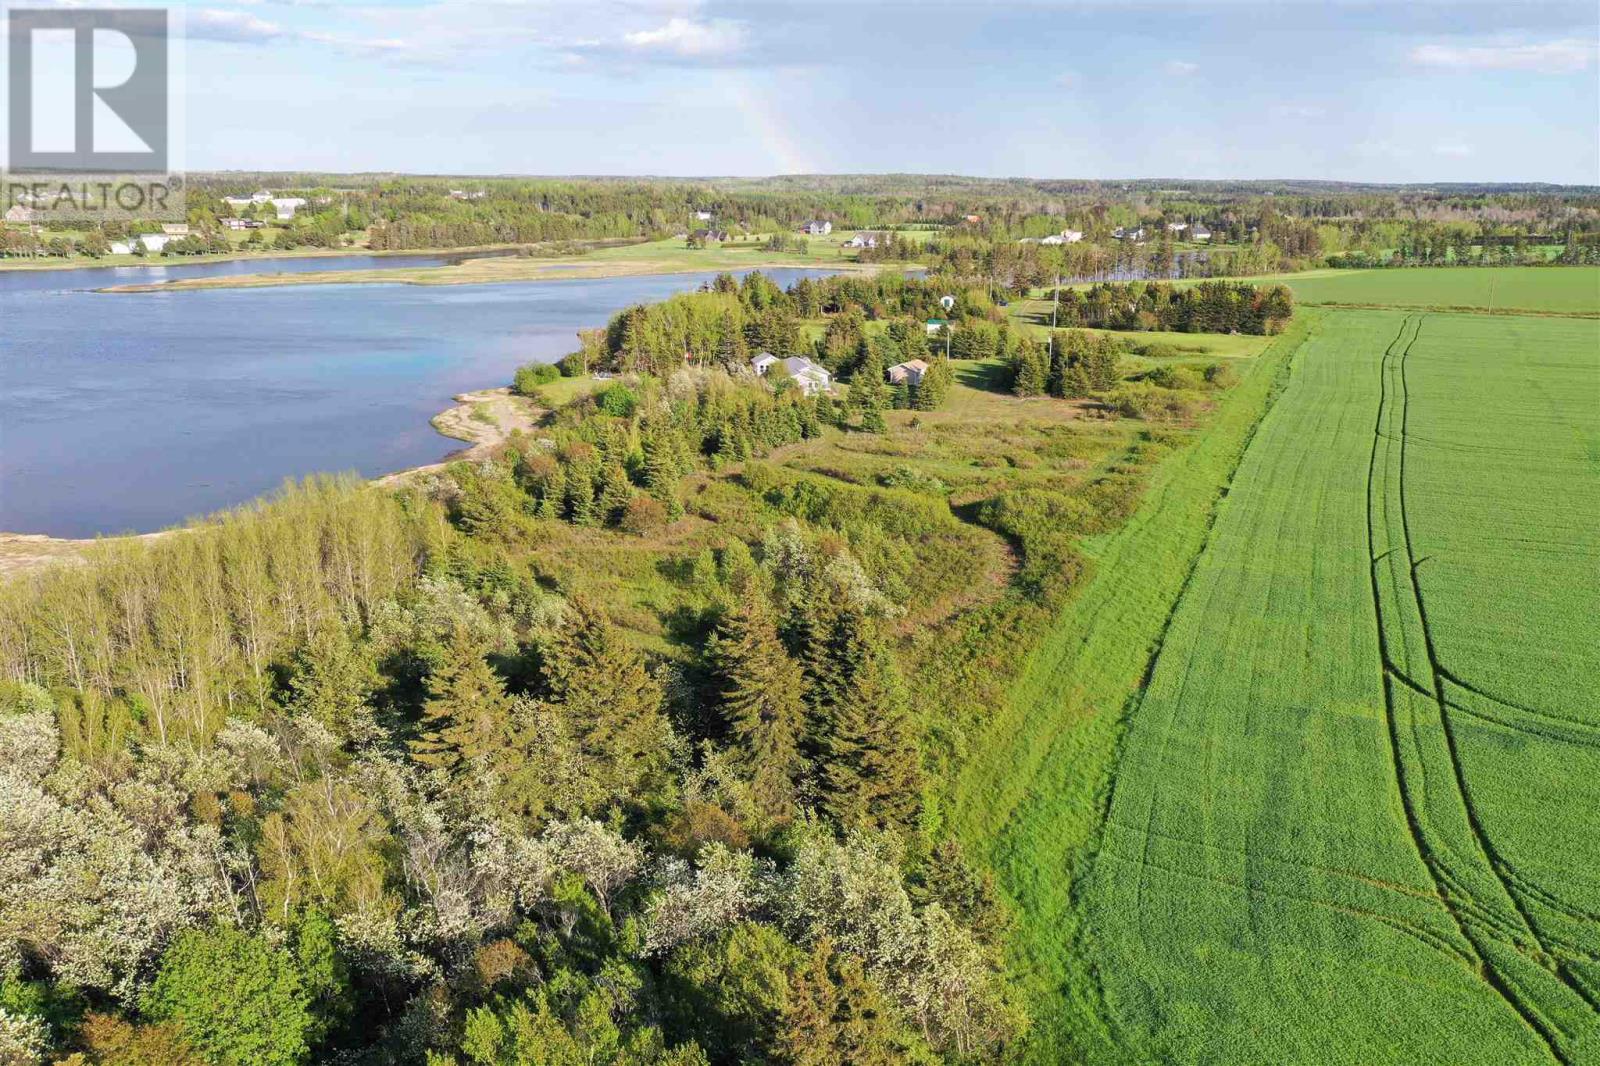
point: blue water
(132, 412)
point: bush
(618, 400)
(644, 514)
(528, 378)
(1221, 376)
(235, 997)
(1174, 377)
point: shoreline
(498, 270)
(482, 420)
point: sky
(1356, 91)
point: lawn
(1364, 769)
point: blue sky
(1465, 91)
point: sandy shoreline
(483, 420)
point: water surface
(132, 412)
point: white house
(811, 378)
(286, 205)
(909, 372)
(862, 240)
(1199, 233)
(239, 202)
(175, 229)
(121, 248)
(153, 242)
(934, 325)
(818, 227)
(1177, 227)
(1071, 236)
(703, 216)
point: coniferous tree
(763, 703)
(871, 774)
(611, 702)
(934, 388)
(466, 707)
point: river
(132, 412)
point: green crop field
(1560, 290)
(1353, 819)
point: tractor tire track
(1444, 882)
(1498, 864)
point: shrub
(528, 378)
(644, 514)
(235, 997)
(1174, 377)
(618, 400)
(1221, 376)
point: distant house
(153, 242)
(1128, 234)
(175, 229)
(18, 213)
(863, 240)
(811, 378)
(243, 223)
(1054, 238)
(817, 227)
(1071, 236)
(703, 216)
(121, 248)
(286, 206)
(462, 194)
(1198, 232)
(909, 372)
(934, 325)
(260, 197)
(1177, 227)
(239, 202)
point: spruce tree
(934, 388)
(763, 703)
(466, 707)
(611, 702)
(871, 775)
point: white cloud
(1180, 68)
(240, 27)
(1555, 57)
(688, 39)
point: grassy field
(1557, 290)
(1366, 763)
(1292, 854)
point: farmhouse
(286, 206)
(909, 372)
(817, 227)
(863, 240)
(811, 378)
(1198, 232)
(243, 223)
(153, 242)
